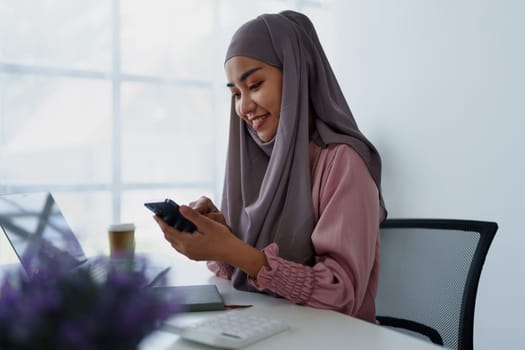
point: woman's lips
(259, 121)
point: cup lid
(128, 226)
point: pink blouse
(345, 238)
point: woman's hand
(205, 206)
(209, 242)
(212, 241)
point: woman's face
(257, 90)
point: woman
(302, 205)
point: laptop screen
(38, 231)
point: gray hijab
(267, 190)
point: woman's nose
(246, 105)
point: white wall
(439, 87)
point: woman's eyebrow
(245, 75)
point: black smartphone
(168, 211)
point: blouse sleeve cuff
(285, 278)
(220, 269)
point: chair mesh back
(423, 275)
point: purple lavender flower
(52, 309)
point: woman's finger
(202, 222)
(203, 205)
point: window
(108, 104)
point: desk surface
(309, 328)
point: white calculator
(232, 329)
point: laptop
(37, 230)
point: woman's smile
(258, 121)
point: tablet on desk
(201, 297)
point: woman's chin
(266, 134)
(264, 137)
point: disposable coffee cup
(122, 240)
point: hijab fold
(267, 189)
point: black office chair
(429, 276)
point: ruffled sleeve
(284, 277)
(220, 269)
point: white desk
(309, 328)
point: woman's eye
(255, 86)
(236, 95)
